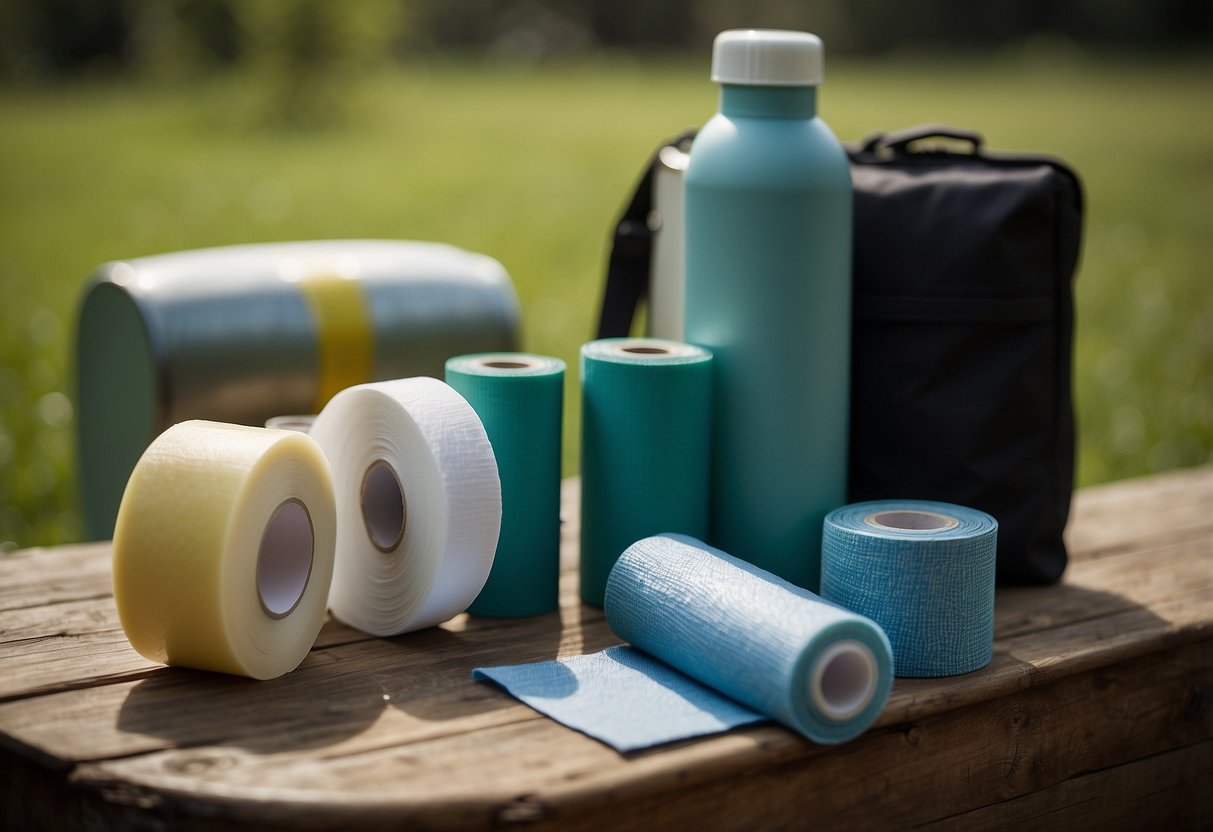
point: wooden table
(1097, 711)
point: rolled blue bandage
(923, 571)
(768, 644)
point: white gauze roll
(418, 503)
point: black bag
(962, 332)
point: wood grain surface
(1097, 711)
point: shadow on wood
(321, 703)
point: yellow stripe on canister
(345, 339)
(223, 548)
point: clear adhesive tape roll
(418, 503)
(646, 407)
(808, 664)
(223, 549)
(922, 570)
(520, 400)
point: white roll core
(384, 509)
(911, 520)
(284, 558)
(300, 423)
(843, 679)
(659, 349)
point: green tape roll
(519, 398)
(646, 409)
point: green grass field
(531, 165)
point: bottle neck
(742, 100)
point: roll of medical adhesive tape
(520, 399)
(418, 503)
(301, 422)
(783, 651)
(646, 408)
(223, 548)
(924, 571)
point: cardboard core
(647, 350)
(843, 679)
(284, 558)
(384, 510)
(507, 365)
(910, 520)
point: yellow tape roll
(345, 346)
(223, 548)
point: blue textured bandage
(923, 571)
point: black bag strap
(899, 141)
(627, 279)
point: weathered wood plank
(1174, 506)
(1109, 534)
(1172, 790)
(337, 693)
(1144, 576)
(72, 644)
(387, 731)
(1084, 626)
(336, 697)
(1042, 657)
(42, 577)
(64, 634)
(913, 772)
(1140, 494)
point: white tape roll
(223, 548)
(418, 503)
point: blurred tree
(304, 52)
(49, 38)
(641, 23)
(172, 38)
(305, 41)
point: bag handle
(900, 140)
(627, 279)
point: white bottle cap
(767, 57)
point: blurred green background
(517, 127)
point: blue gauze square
(621, 696)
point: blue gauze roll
(922, 570)
(808, 664)
(646, 407)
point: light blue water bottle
(768, 290)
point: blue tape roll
(780, 649)
(646, 407)
(922, 570)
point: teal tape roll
(922, 570)
(645, 432)
(519, 398)
(816, 668)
